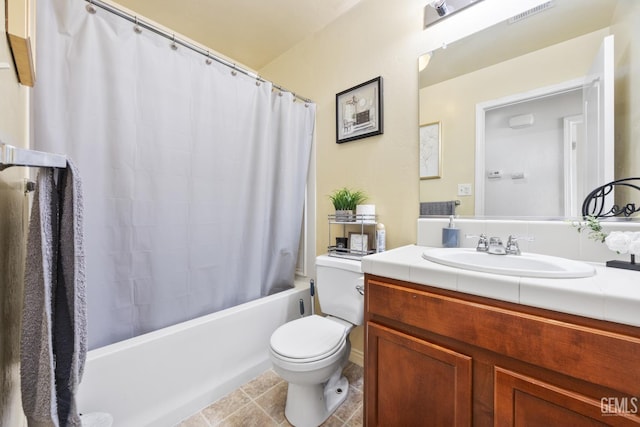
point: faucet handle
(512, 244)
(483, 243)
(475, 236)
(515, 238)
(512, 247)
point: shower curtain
(194, 177)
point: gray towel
(438, 208)
(53, 343)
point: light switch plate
(464, 189)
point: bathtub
(160, 378)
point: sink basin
(525, 265)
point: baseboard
(357, 357)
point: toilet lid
(308, 337)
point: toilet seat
(308, 339)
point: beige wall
(376, 38)
(13, 130)
(453, 104)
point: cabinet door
(524, 401)
(411, 382)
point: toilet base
(311, 405)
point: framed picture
(358, 242)
(359, 111)
(430, 157)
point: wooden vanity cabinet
(442, 358)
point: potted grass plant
(345, 201)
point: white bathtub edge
(165, 376)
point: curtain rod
(171, 36)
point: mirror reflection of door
(534, 149)
(598, 98)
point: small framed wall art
(359, 111)
(430, 153)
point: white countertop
(612, 294)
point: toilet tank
(336, 281)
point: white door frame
(571, 133)
(482, 109)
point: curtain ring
(136, 26)
(233, 71)
(174, 46)
(208, 61)
(90, 8)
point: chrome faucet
(496, 247)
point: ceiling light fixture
(440, 9)
(440, 6)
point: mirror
(552, 48)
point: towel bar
(14, 156)
(444, 208)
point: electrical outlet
(464, 189)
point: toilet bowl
(311, 352)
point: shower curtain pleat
(194, 177)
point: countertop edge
(611, 294)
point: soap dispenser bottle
(450, 235)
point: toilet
(311, 352)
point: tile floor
(260, 403)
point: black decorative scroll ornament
(594, 207)
(594, 203)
